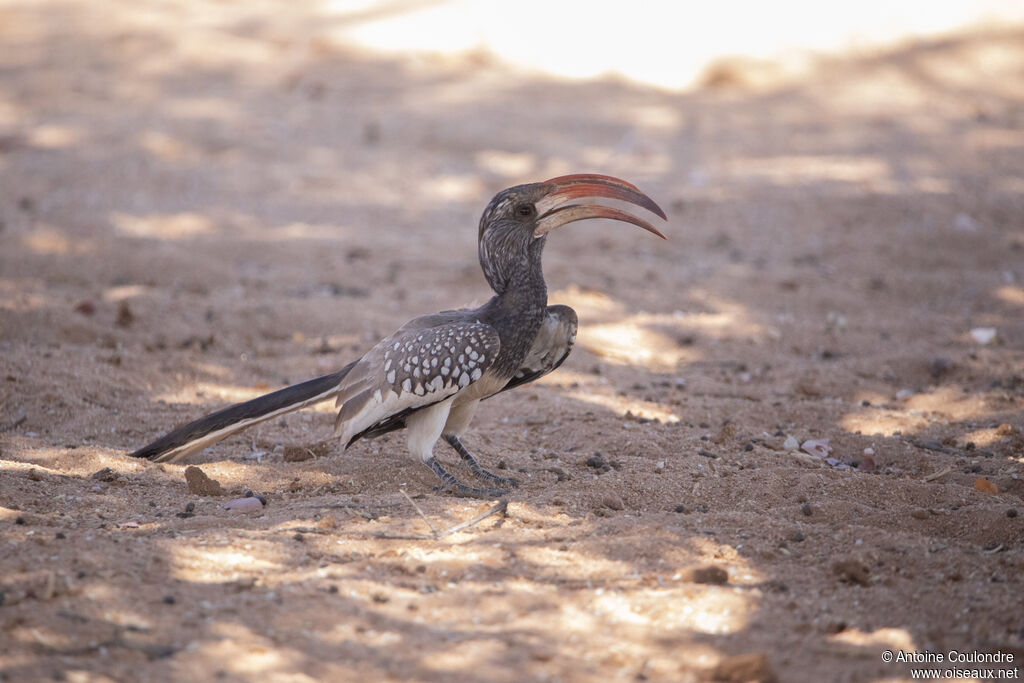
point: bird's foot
(474, 464)
(450, 483)
(487, 475)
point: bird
(429, 376)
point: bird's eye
(525, 210)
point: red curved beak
(554, 212)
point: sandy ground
(199, 206)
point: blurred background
(669, 45)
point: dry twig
(500, 508)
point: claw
(474, 464)
(450, 483)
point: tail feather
(206, 431)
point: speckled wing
(550, 348)
(428, 360)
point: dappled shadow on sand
(192, 217)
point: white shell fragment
(983, 335)
(816, 447)
(251, 504)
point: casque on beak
(553, 211)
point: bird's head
(515, 223)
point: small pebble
(125, 317)
(816, 447)
(559, 472)
(984, 335)
(612, 502)
(251, 504)
(807, 509)
(106, 474)
(710, 574)
(790, 444)
(1012, 512)
(985, 486)
(263, 499)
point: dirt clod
(710, 574)
(752, 667)
(303, 453)
(106, 474)
(200, 484)
(125, 317)
(851, 571)
(985, 486)
(612, 502)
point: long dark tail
(206, 431)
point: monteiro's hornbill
(429, 376)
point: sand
(196, 208)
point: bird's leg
(449, 482)
(474, 464)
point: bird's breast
(489, 384)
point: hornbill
(430, 375)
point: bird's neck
(521, 287)
(517, 312)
